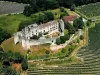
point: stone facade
(24, 36)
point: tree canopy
(3, 35)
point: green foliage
(58, 41)
(3, 35)
(24, 65)
(70, 28)
(10, 71)
(18, 58)
(72, 8)
(78, 40)
(23, 24)
(63, 39)
(62, 9)
(89, 22)
(78, 23)
(65, 32)
(81, 37)
(49, 15)
(63, 50)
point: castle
(26, 35)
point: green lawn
(10, 23)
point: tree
(81, 37)
(42, 18)
(65, 32)
(89, 22)
(49, 15)
(24, 65)
(10, 71)
(75, 24)
(70, 28)
(63, 39)
(52, 4)
(80, 23)
(18, 58)
(62, 14)
(58, 41)
(72, 8)
(28, 10)
(4, 35)
(63, 50)
(23, 24)
(6, 63)
(1, 49)
(62, 9)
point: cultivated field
(9, 7)
(90, 10)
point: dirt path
(82, 43)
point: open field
(8, 45)
(9, 7)
(11, 23)
(90, 10)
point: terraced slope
(90, 54)
(9, 7)
(90, 10)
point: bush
(62, 9)
(63, 39)
(63, 50)
(72, 8)
(58, 41)
(78, 40)
(65, 32)
(81, 37)
(24, 65)
(18, 58)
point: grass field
(8, 45)
(90, 10)
(11, 23)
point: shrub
(24, 65)
(58, 41)
(63, 50)
(81, 37)
(62, 9)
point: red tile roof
(69, 18)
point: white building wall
(29, 31)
